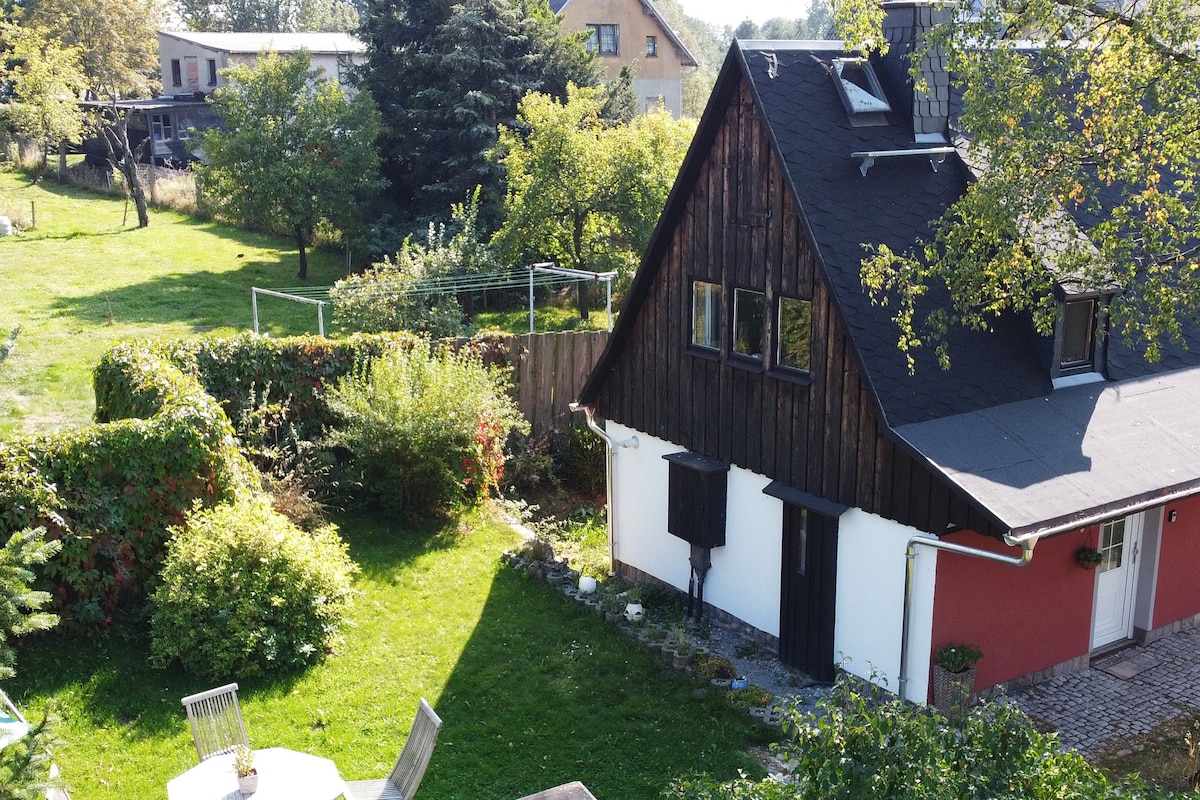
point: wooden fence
(550, 369)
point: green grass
(545, 319)
(85, 276)
(534, 691)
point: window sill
(743, 361)
(790, 375)
(707, 353)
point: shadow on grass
(533, 690)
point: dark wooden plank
(901, 467)
(918, 498)
(756, 429)
(831, 446)
(865, 496)
(848, 462)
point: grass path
(85, 276)
(534, 692)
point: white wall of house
(650, 91)
(870, 601)
(745, 576)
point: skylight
(860, 91)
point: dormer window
(1078, 341)
(706, 315)
(860, 91)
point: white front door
(1116, 580)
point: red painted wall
(1023, 618)
(1178, 594)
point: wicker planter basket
(952, 690)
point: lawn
(86, 276)
(534, 691)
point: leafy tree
(581, 192)
(118, 41)
(295, 150)
(46, 81)
(267, 15)
(1098, 123)
(445, 75)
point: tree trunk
(116, 135)
(303, 273)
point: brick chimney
(905, 26)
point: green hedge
(110, 491)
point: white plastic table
(282, 775)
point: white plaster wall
(745, 573)
(870, 601)
(670, 90)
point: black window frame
(1080, 352)
(176, 72)
(651, 46)
(212, 72)
(745, 356)
(778, 340)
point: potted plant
(243, 764)
(954, 677)
(634, 611)
(1088, 557)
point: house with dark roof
(632, 33)
(773, 456)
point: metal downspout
(610, 446)
(910, 553)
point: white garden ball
(587, 584)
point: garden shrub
(109, 492)
(245, 592)
(426, 429)
(581, 460)
(864, 742)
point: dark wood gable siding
(740, 228)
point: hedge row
(109, 491)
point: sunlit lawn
(534, 691)
(86, 276)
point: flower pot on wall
(952, 690)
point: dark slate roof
(996, 399)
(1075, 456)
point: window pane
(593, 40)
(608, 40)
(1078, 333)
(706, 314)
(651, 46)
(795, 333)
(1112, 545)
(748, 317)
(212, 72)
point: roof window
(861, 93)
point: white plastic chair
(406, 776)
(216, 721)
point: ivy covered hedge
(110, 491)
(299, 367)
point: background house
(633, 33)
(192, 62)
(775, 456)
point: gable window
(651, 47)
(604, 40)
(212, 72)
(795, 334)
(176, 73)
(706, 314)
(749, 318)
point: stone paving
(1093, 708)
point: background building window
(176, 73)
(651, 47)
(706, 314)
(160, 127)
(749, 316)
(604, 40)
(795, 333)
(212, 72)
